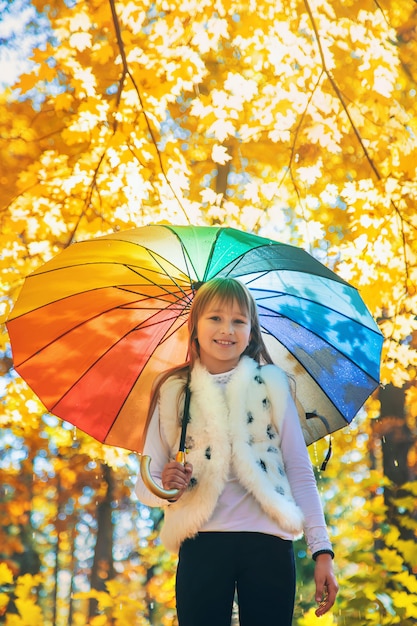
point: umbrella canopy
(94, 326)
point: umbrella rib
(154, 256)
(145, 324)
(122, 288)
(169, 335)
(332, 276)
(166, 336)
(117, 287)
(169, 276)
(138, 272)
(67, 332)
(147, 297)
(187, 259)
(309, 373)
(211, 254)
(131, 268)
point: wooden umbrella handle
(145, 472)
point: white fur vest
(240, 428)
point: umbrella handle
(145, 472)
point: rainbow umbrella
(94, 326)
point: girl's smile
(223, 333)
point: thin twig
(398, 41)
(293, 146)
(355, 129)
(127, 72)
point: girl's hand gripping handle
(165, 494)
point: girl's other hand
(326, 584)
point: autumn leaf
(310, 619)
(219, 154)
(6, 575)
(30, 613)
(4, 601)
(392, 560)
(405, 601)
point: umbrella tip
(196, 284)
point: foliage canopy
(296, 120)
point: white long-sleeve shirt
(237, 509)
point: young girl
(248, 488)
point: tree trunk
(103, 569)
(223, 173)
(396, 438)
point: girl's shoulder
(173, 379)
(273, 374)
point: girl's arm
(157, 448)
(302, 480)
(304, 488)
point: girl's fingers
(176, 476)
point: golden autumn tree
(295, 120)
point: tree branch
(127, 72)
(355, 129)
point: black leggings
(260, 567)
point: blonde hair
(225, 291)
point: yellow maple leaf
(311, 619)
(80, 22)
(103, 52)
(211, 197)
(219, 154)
(221, 129)
(391, 559)
(30, 613)
(6, 575)
(99, 620)
(406, 601)
(4, 601)
(27, 81)
(80, 41)
(407, 581)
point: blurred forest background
(293, 119)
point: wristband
(316, 554)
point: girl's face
(223, 333)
